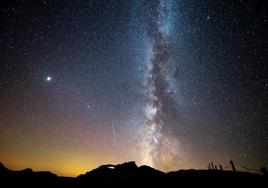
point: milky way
(160, 148)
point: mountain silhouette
(123, 174)
(128, 175)
(3, 169)
(125, 170)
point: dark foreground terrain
(129, 175)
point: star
(48, 78)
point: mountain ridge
(125, 174)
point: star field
(168, 83)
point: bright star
(48, 78)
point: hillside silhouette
(129, 175)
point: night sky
(170, 84)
